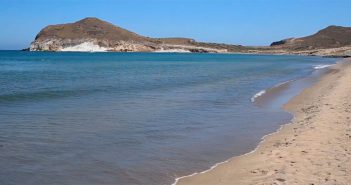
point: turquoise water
(133, 118)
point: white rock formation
(85, 47)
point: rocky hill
(333, 41)
(92, 34)
(330, 37)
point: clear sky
(245, 22)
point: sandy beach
(315, 148)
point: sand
(315, 148)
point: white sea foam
(283, 83)
(220, 163)
(212, 167)
(85, 47)
(172, 51)
(258, 95)
(264, 91)
(262, 139)
(322, 66)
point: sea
(138, 118)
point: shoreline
(182, 51)
(236, 169)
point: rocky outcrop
(93, 45)
(92, 34)
(95, 35)
(330, 37)
(325, 52)
(281, 42)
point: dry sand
(314, 149)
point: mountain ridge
(104, 36)
(93, 34)
(331, 36)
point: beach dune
(315, 148)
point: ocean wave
(321, 66)
(258, 95)
(230, 159)
(43, 95)
(262, 92)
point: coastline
(311, 149)
(97, 49)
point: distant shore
(332, 53)
(78, 37)
(315, 148)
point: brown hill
(89, 28)
(92, 34)
(330, 37)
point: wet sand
(315, 148)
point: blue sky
(245, 22)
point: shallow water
(133, 118)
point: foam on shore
(322, 66)
(220, 163)
(262, 92)
(172, 51)
(257, 95)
